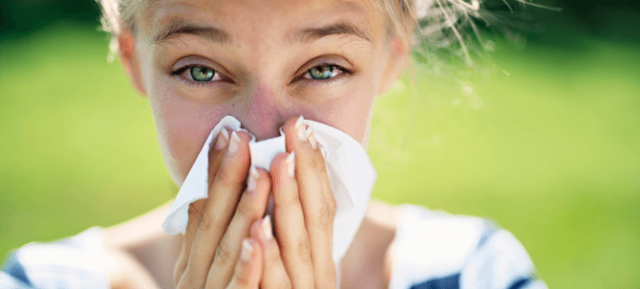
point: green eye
(201, 74)
(321, 72)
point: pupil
(321, 72)
(201, 74)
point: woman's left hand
(301, 254)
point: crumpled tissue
(350, 172)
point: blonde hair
(436, 24)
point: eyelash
(324, 81)
(192, 82)
(183, 69)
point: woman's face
(262, 62)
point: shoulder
(440, 250)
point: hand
(217, 225)
(301, 254)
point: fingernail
(312, 139)
(266, 228)
(234, 144)
(252, 183)
(247, 251)
(291, 164)
(302, 136)
(223, 138)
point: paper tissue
(350, 173)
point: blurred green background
(550, 152)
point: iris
(321, 72)
(201, 74)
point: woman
(267, 63)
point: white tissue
(350, 173)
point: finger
(215, 155)
(251, 207)
(248, 268)
(289, 222)
(274, 275)
(318, 217)
(307, 164)
(181, 264)
(215, 158)
(319, 161)
(326, 266)
(321, 165)
(217, 210)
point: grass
(550, 153)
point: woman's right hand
(216, 252)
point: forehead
(276, 19)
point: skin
(262, 80)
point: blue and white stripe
(436, 250)
(76, 262)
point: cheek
(349, 111)
(182, 126)
(359, 112)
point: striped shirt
(434, 250)
(437, 250)
(75, 262)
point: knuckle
(206, 222)
(290, 199)
(194, 211)
(304, 250)
(247, 210)
(324, 218)
(226, 176)
(310, 161)
(223, 255)
(244, 210)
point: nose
(262, 116)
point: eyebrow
(211, 33)
(338, 28)
(218, 35)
